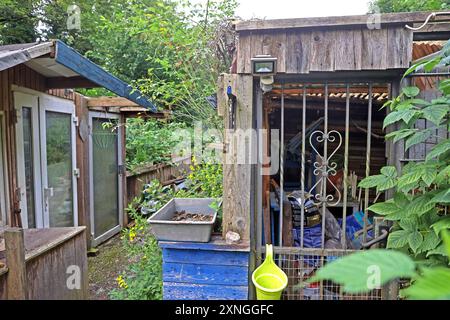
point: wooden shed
(298, 140)
(59, 165)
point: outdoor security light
(264, 65)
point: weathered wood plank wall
(236, 169)
(301, 51)
(48, 273)
(47, 256)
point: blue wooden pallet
(205, 271)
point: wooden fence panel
(146, 174)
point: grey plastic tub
(165, 229)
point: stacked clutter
(312, 238)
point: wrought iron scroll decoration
(325, 168)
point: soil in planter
(191, 217)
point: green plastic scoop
(269, 279)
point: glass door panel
(28, 159)
(3, 181)
(105, 175)
(59, 192)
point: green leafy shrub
(427, 283)
(150, 141)
(419, 207)
(422, 188)
(143, 278)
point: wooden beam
(112, 102)
(71, 82)
(19, 54)
(71, 59)
(433, 31)
(15, 260)
(338, 21)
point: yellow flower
(132, 235)
(121, 282)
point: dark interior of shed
(315, 121)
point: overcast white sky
(279, 9)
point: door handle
(48, 192)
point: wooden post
(237, 186)
(82, 145)
(15, 260)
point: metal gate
(328, 129)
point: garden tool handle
(269, 252)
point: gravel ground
(104, 268)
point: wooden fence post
(15, 260)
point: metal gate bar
(368, 146)
(280, 218)
(302, 182)
(347, 137)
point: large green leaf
(429, 174)
(420, 205)
(444, 86)
(355, 271)
(441, 197)
(417, 138)
(373, 181)
(383, 208)
(409, 223)
(440, 251)
(443, 176)
(430, 242)
(435, 113)
(393, 117)
(415, 239)
(389, 171)
(411, 91)
(398, 239)
(410, 114)
(408, 179)
(439, 149)
(400, 134)
(433, 284)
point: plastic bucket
(269, 279)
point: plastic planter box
(165, 229)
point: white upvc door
(28, 159)
(46, 160)
(58, 162)
(3, 174)
(106, 177)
